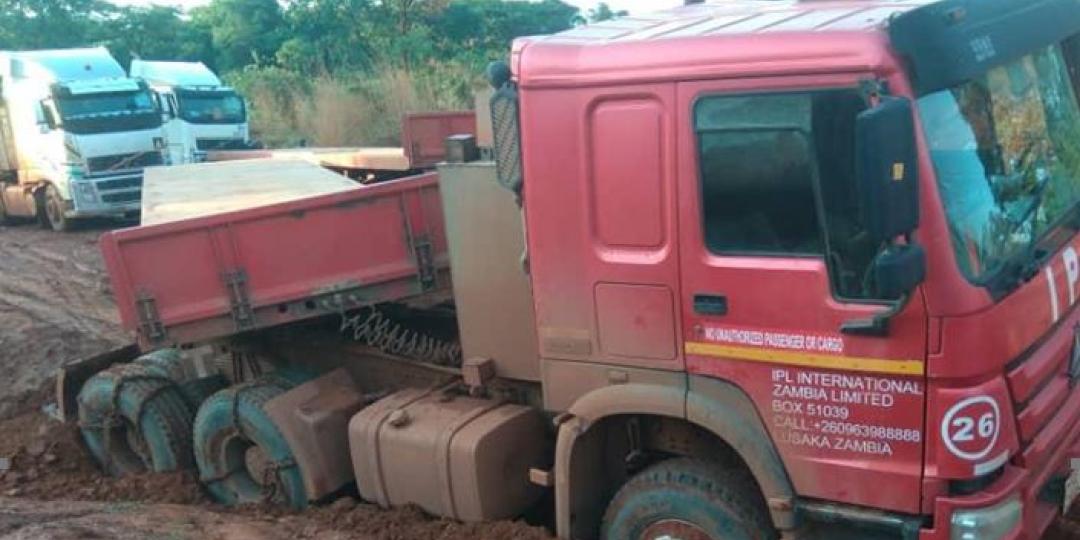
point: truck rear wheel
(5, 218)
(51, 211)
(133, 419)
(688, 499)
(241, 455)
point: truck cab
(201, 114)
(76, 133)
(858, 219)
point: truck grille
(127, 196)
(134, 182)
(220, 144)
(1040, 387)
(123, 162)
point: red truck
(790, 267)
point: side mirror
(886, 162)
(47, 119)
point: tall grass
(355, 110)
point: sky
(633, 6)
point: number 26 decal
(970, 427)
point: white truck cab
(200, 113)
(75, 135)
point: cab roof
(716, 31)
(726, 17)
(61, 65)
(174, 73)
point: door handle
(710, 304)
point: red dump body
(208, 277)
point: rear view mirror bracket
(877, 325)
(898, 270)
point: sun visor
(950, 42)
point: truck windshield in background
(1006, 147)
(85, 114)
(211, 107)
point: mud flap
(313, 418)
(71, 377)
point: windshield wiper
(1024, 264)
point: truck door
(773, 262)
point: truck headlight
(989, 523)
(85, 192)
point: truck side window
(778, 178)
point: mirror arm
(878, 324)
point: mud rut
(56, 305)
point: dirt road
(54, 304)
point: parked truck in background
(75, 135)
(201, 113)
(791, 268)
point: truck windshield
(107, 112)
(1006, 148)
(211, 107)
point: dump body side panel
(205, 278)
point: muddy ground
(55, 305)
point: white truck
(201, 113)
(75, 135)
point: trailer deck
(199, 279)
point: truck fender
(716, 406)
(575, 497)
(726, 411)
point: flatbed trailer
(199, 279)
(422, 136)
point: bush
(361, 109)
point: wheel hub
(258, 465)
(675, 529)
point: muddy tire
(51, 211)
(134, 420)
(691, 500)
(170, 363)
(5, 218)
(241, 455)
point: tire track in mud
(55, 306)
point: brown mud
(56, 305)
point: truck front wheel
(51, 211)
(5, 218)
(688, 499)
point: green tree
(154, 33)
(327, 36)
(603, 12)
(483, 30)
(45, 24)
(242, 32)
